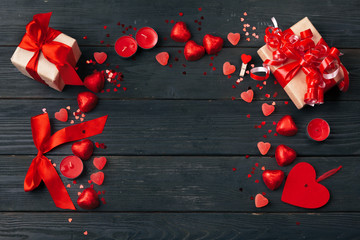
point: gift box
(47, 55)
(302, 62)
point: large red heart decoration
(95, 82)
(273, 178)
(180, 32)
(193, 51)
(212, 44)
(87, 101)
(83, 149)
(88, 199)
(99, 162)
(100, 57)
(286, 126)
(62, 115)
(302, 190)
(284, 155)
(245, 58)
(97, 178)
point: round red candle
(126, 46)
(146, 37)
(318, 129)
(71, 167)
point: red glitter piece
(229, 76)
(172, 21)
(107, 35)
(195, 21)
(126, 29)
(92, 185)
(251, 198)
(286, 102)
(249, 175)
(275, 82)
(124, 88)
(89, 181)
(248, 116)
(199, 29)
(170, 65)
(297, 223)
(200, 9)
(118, 85)
(102, 91)
(255, 126)
(107, 64)
(130, 26)
(204, 73)
(233, 86)
(247, 156)
(167, 21)
(263, 123)
(118, 24)
(97, 144)
(214, 68)
(176, 59)
(115, 90)
(234, 169)
(181, 14)
(184, 72)
(102, 41)
(269, 131)
(107, 45)
(165, 38)
(233, 98)
(179, 51)
(123, 32)
(253, 168)
(265, 136)
(123, 25)
(108, 90)
(252, 172)
(274, 123)
(256, 181)
(275, 134)
(184, 65)
(117, 66)
(267, 95)
(74, 182)
(103, 192)
(261, 87)
(263, 193)
(275, 94)
(259, 126)
(135, 28)
(202, 17)
(199, 23)
(105, 27)
(85, 37)
(103, 200)
(256, 164)
(212, 58)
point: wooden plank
(180, 184)
(157, 127)
(179, 226)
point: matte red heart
(247, 96)
(62, 115)
(88, 199)
(273, 178)
(245, 58)
(212, 44)
(95, 82)
(100, 57)
(286, 126)
(284, 155)
(261, 201)
(267, 109)
(97, 178)
(162, 58)
(302, 190)
(83, 149)
(233, 38)
(100, 162)
(87, 101)
(193, 51)
(180, 32)
(228, 68)
(263, 147)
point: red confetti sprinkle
(167, 21)
(179, 51)
(74, 182)
(103, 200)
(267, 95)
(256, 181)
(265, 136)
(275, 82)
(249, 175)
(259, 126)
(234, 169)
(99, 192)
(212, 58)
(297, 223)
(251, 198)
(199, 29)
(275, 134)
(176, 59)
(199, 23)
(263, 193)
(108, 90)
(103, 192)
(184, 72)
(105, 27)
(248, 116)
(85, 37)
(205, 73)
(102, 41)
(202, 17)
(269, 131)
(211, 64)
(89, 181)
(233, 86)
(229, 76)
(233, 98)
(115, 90)
(195, 21)
(200, 9)
(214, 68)
(257, 164)
(286, 102)
(255, 126)
(107, 35)
(181, 14)
(172, 21)
(274, 123)
(118, 24)
(170, 65)
(184, 65)
(263, 123)
(135, 28)
(275, 94)
(247, 156)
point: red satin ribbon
(41, 168)
(39, 38)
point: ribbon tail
(32, 178)
(69, 75)
(344, 84)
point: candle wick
(124, 48)
(144, 35)
(70, 165)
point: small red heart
(180, 32)
(95, 82)
(261, 201)
(267, 109)
(62, 115)
(284, 155)
(247, 96)
(233, 38)
(87, 101)
(193, 51)
(83, 149)
(99, 162)
(97, 178)
(302, 190)
(273, 178)
(88, 199)
(228, 68)
(212, 44)
(100, 57)
(162, 58)
(245, 58)
(286, 126)
(263, 147)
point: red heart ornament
(273, 178)
(247, 96)
(87, 101)
(261, 201)
(100, 57)
(62, 115)
(100, 162)
(97, 178)
(233, 38)
(180, 32)
(193, 51)
(212, 44)
(263, 147)
(302, 190)
(162, 58)
(267, 109)
(88, 199)
(245, 58)
(286, 126)
(83, 149)
(284, 155)
(228, 68)
(95, 82)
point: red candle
(318, 129)
(146, 37)
(71, 167)
(126, 46)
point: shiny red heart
(87, 101)
(95, 82)
(88, 199)
(97, 178)
(62, 115)
(302, 190)
(245, 58)
(284, 155)
(212, 44)
(162, 58)
(83, 149)
(180, 32)
(273, 178)
(193, 51)
(286, 126)
(100, 162)
(100, 57)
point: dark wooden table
(177, 143)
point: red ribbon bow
(41, 168)
(39, 38)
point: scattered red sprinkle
(263, 123)
(275, 94)
(108, 90)
(135, 28)
(202, 17)
(85, 37)
(92, 185)
(205, 73)
(297, 223)
(256, 181)
(184, 72)
(257, 164)
(103, 200)
(233, 98)
(286, 102)
(105, 27)
(255, 126)
(265, 136)
(181, 14)
(99, 192)
(179, 51)
(259, 126)
(211, 64)
(102, 41)
(184, 65)
(263, 193)
(234, 169)
(103, 192)
(107, 35)
(167, 21)
(172, 21)
(248, 116)
(275, 134)
(195, 21)
(89, 181)
(214, 68)
(200, 9)
(233, 86)
(74, 182)
(267, 95)
(115, 90)
(170, 65)
(251, 198)
(229, 76)
(176, 59)
(118, 24)
(274, 123)
(199, 23)
(269, 131)
(247, 156)
(275, 82)
(249, 175)
(199, 29)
